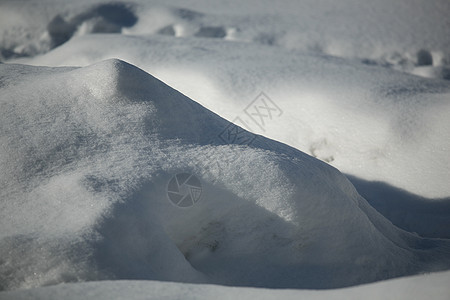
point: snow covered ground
(89, 155)
(432, 286)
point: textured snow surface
(330, 66)
(433, 286)
(86, 157)
(368, 121)
(90, 145)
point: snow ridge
(87, 154)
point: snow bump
(88, 154)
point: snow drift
(414, 287)
(86, 155)
(366, 120)
(370, 122)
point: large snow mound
(330, 67)
(366, 120)
(86, 158)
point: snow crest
(87, 154)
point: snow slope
(373, 130)
(434, 286)
(87, 154)
(330, 67)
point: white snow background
(102, 103)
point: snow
(433, 286)
(105, 107)
(93, 203)
(373, 130)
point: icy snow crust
(86, 154)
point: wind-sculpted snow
(86, 156)
(367, 121)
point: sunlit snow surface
(88, 154)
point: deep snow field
(234, 149)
